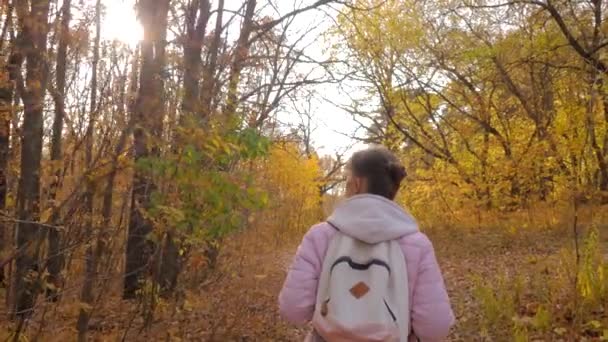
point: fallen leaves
(238, 302)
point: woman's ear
(360, 185)
(357, 186)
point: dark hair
(381, 168)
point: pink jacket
(374, 219)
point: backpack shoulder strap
(332, 225)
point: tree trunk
(148, 121)
(193, 45)
(170, 265)
(595, 85)
(108, 192)
(6, 114)
(55, 259)
(6, 105)
(240, 57)
(86, 296)
(197, 18)
(32, 43)
(603, 184)
(209, 81)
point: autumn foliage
(157, 191)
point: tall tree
(582, 28)
(241, 53)
(91, 261)
(55, 259)
(32, 43)
(196, 19)
(148, 118)
(210, 69)
(6, 108)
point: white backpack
(363, 292)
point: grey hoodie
(372, 219)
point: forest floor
(238, 302)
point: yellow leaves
(86, 307)
(74, 307)
(292, 174)
(46, 215)
(123, 160)
(171, 214)
(10, 201)
(172, 335)
(594, 324)
(542, 319)
(33, 85)
(12, 336)
(291, 180)
(506, 131)
(215, 142)
(187, 305)
(390, 29)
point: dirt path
(242, 305)
(239, 303)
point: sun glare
(121, 23)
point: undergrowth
(556, 298)
(508, 281)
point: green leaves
(203, 190)
(253, 144)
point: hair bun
(396, 172)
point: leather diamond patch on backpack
(359, 290)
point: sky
(332, 125)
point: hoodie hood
(372, 219)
